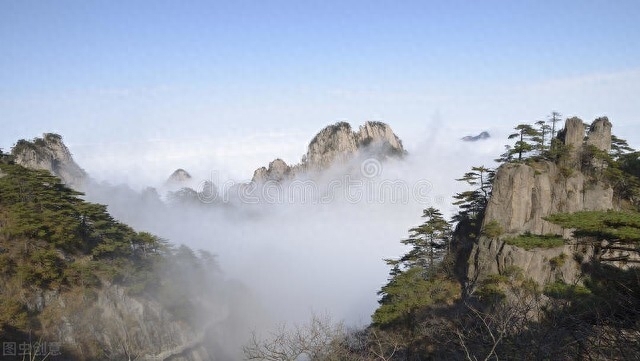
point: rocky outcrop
(543, 265)
(121, 325)
(573, 133)
(49, 153)
(523, 194)
(474, 138)
(380, 135)
(336, 144)
(179, 176)
(599, 134)
(278, 171)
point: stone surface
(336, 144)
(523, 194)
(51, 154)
(278, 171)
(492, 256)
(379, 136)
(573, 133)
(599, 134)
(110, 318)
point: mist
(309, 245)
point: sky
(157, 84)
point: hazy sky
(158, 84)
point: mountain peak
(473, 138)
(334, 144)
(178, 176)
(51, 154)
(338, 143)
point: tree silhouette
(554, 118)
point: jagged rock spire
(600, 134)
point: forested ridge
(58, 252)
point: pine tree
(527, 138)
(544, 136)
(554, 118)
(619, 148)
(413, 282)
(429, 241)
(472, 203)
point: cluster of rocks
(523, 194)
(51, 154)
(335, 144)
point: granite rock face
(524, 193)
(278, 171)
(339, 143)
(336, 144)
(121, 324)
(51, 154)
(599, 134)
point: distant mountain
(473, 138)
(179, 176)
(337, 143)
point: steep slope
(524, 193)
(95, 288)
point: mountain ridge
(336, 144)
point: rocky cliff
(277, 171)
(335, 144)
(339, 143)
(109, 322)
(49, 153)
(524, 193)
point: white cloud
(149, 163)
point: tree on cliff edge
(413, 282)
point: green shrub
(81, 275)
(42, 268)
(492, 229)
(529, 241)
(561, 290)
(12, 313)
(558, 261)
